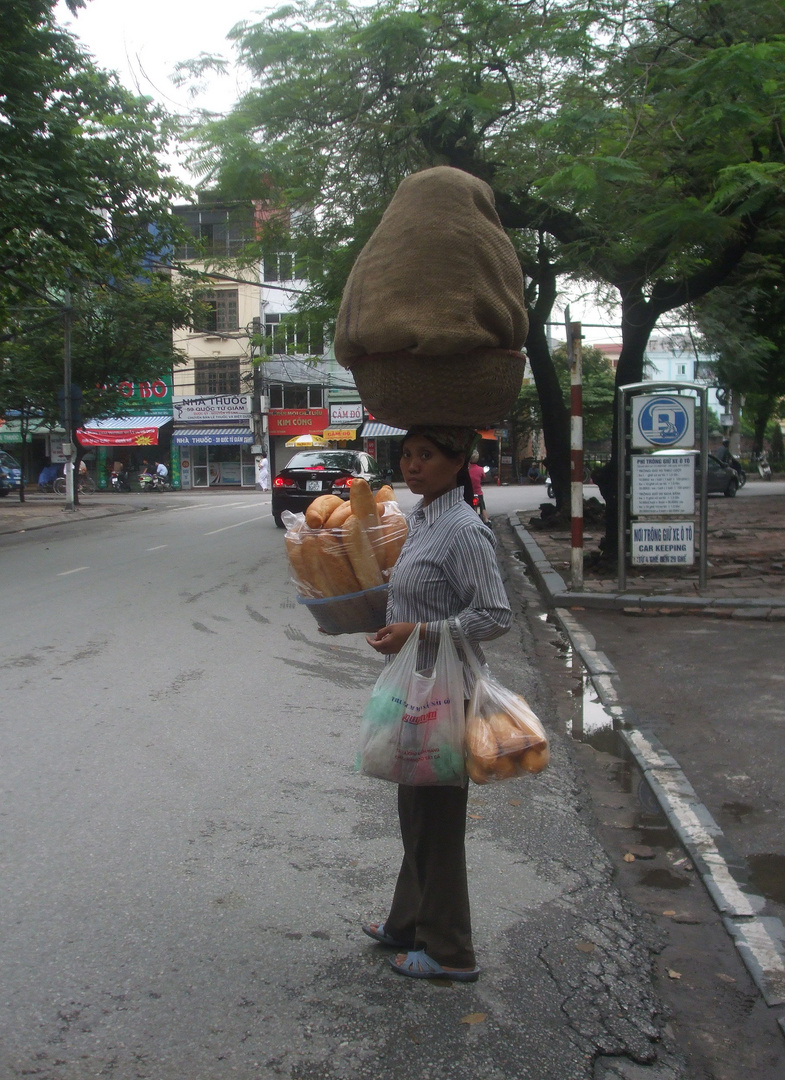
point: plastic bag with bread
(504, 738)
(339, 547)
(343, 551)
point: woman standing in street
(446, 570)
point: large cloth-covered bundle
(432, 318)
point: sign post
(661, 500)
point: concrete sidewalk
(745, 574)
(713, 708)
(40, 511)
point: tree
(743, 322)
(598, 397)
(119, 333)
(84, 195)
(628, 142)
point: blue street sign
(665, 420)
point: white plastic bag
(412, 731)
(503, 737)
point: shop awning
(212, 436)
(137, 430)
(338, 434)
(11, 431)
(372, 430)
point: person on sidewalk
(263, 473)
(447, 569)
(476, 474)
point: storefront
(213, 436)
(285, 424)
(382, 442)
(140, 437)
(215, 457)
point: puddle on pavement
(767, 876)
(660, 878)
(592, 722)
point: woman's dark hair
(462, 479)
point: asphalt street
(188, 853)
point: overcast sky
(144, 40)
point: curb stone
(760, 940)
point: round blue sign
(663, 421)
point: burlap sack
(432, 317)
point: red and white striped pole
(576, 454)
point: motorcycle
(762, 461)
(119, 481)
(153, 482)
(741, 476)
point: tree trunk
(637, 325)
(555, 414)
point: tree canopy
(84, 194)
(630, 143)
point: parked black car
(722, 479)
(311, 473)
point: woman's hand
(391, 639)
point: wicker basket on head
(475, 389)
(432, 318)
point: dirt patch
(745, 548)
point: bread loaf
(393, 532)
(361, 554)
(337, 518)
(294, 549)
(536, 758)
(363, 503)
(314, 570)
(337, 569)
(320, 509)
(385, 494)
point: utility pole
(68, 445)
(575, 354)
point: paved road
(188, 853)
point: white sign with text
(663, 485)
(661, 543)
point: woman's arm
(473, 573)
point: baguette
(315, 575)
(361, 554)
(335, 564)
(337, 518)
(363, 503)
(393, 531)
(294, 550)
(320, 509)
(385, 494)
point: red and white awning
(122, 431)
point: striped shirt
(447, 569)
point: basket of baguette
(341, 553)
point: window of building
(217, 230)
(681, 369)
(223, 311)
(278, 266)
(217, 376)
(291, 337)
(289, 396)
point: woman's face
(427, 470)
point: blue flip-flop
(419, 965)
(379, 934)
